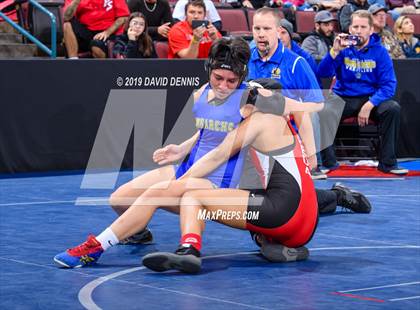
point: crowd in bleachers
(167, 24)
(96, 29)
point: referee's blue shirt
(292, 71)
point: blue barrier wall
(51, 110)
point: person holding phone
(193, 37)
(178, 13)
(365, 80)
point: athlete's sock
(107, 238)
(192, 239)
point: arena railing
(51, 52)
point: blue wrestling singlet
(214, 123)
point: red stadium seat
(353, 142)
(250, 16)
(87, 54)
(305, 21)
(161, 48)
(110, 45)
(353, 120)
(389, 21)
(233, 20)
(336, 24)
(8, 8)
(6, 3)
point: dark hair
(231, 54)
(144, 39)
(199, 3)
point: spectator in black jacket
(157, 14)
(348, 9)
(135, 42)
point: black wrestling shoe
(351, 199)
(142, 237)
(256, 237)
(277, 253)
(185, 259)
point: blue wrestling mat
(357, 261)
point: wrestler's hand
(168, 154)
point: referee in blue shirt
(270, 59)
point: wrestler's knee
(191, 199)
(116, 198)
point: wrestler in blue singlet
(214, 123)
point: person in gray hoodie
(318, 43)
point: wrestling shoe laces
(351, 199)
(84, 254)
(142, 237)
(185, 259)
(91, 245)
(187, 250)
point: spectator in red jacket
(186, 42)
(88, 24)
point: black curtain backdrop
(51, 109)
